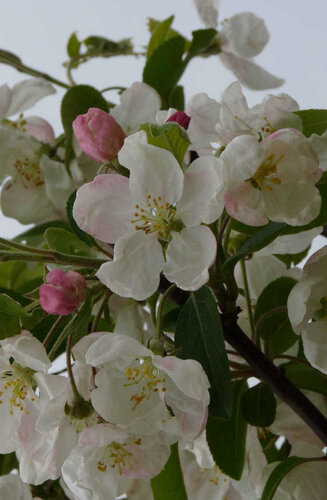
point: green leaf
(292, 259)
(9, 58)
(273, 324)
(259, 240)
(81, 325)
(169, 484)
(11, 313)
(201, 40)
(160, 33)
(77, 101)
(199, 334)
(170, 136)
(66, 242)
(268, 444)
(73, 45)
(305, 377)
(8, 462)
(259, 405)
(314, 121)
(279, 473)
(107, 48)
(82, 235)
(164, 67)
(226, 438)
(36, 232)
(177, 99)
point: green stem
(69, 367)
(52, 256)
(248, 302)
(107, 89)
(19, 66)
(99, 314)
(69, 73)
(162, 301)
(60, 339)
(226, 237)
(267, 315)
(293, 358)
(222, 229)
(24, 248)
(31, 306)
(53, 330)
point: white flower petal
(314, 337)
(27, 93)
(115, 348)
(5, 100)
(104, 207)
(139, 103)
(202, 199)
(188, 257)
(204, 113)
(58, 183)
(153, 170)
(250, 74)
(13, 488)
(26, 204)
(136, 267)
(244, 34)
(27, 351)
(208, 12)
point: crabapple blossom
(63, 292)
(307, 302)
(156, 203)
(104, 454)
(274, 179)
(141, 384)
(99, 135)
(13, 488)
(17, 383)
(241, 37)
(180, 117)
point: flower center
(117, 456)
(157, 217)
(265, 176)
(214, 475)
(149, 378)
(19, 124)
(19, 381)
(79, 424)
(29, 172)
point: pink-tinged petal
(104, 207)
(63, 292)
(27, 351)
(27, 93)
(189, 256)
(138, 104)
(153, 170)
(5, 100)
(250, 74)
(187, 374)
(102, 435)
(99, 135)
(136, 267)
(40, 129)
(208, 12)
(202, 199)
(244, 203)
(244, 34)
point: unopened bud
(63, 292)
(99, 135)
(181, 118)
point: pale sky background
(38, 30)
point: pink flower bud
(63, 292)
(99, 135)
(180, 117)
